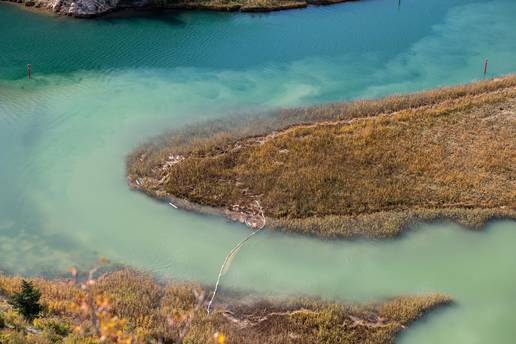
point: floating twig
(231, 255)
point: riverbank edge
(382, 225)
(140, 302)
(378, 225)
(46, 6)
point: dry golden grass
(150, 309)
(318, 322)
(448, 153)
(236, 5)
(219, 132)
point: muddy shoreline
(404, 220)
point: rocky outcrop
(95, 8)
(74, 8)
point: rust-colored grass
(362, 168)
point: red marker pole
(485, 67)
(28, 71)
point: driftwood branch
(235, 249)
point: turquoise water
(102, 87)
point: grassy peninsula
(363, 168)
(132, 307)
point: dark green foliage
(27, 301)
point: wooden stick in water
(233, 253)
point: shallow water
(101, 87)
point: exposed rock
(95, 8)
(75, 8)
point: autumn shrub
(53, 326)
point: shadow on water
(168, 16)
(170, 39)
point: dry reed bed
(153, 309)
(362, 168)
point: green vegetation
(132, 307)
(27, 301)
(360, 168)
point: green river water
(101, 87)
